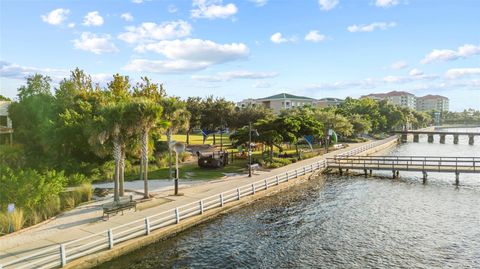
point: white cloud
(444, 55)
(172, 9)
(15, 71)
(93, 19)
(197, 50)
(386, 3)
(415, 72)
(261, 84)
(212, 9)
(71, 25)
(150, 31)
(455, 73)
(259, 3)
(187, 55)
(399, 65)
(161, 66)
(327, 4)
(95, 43)
(240, 74)
(278, 38)
(127, 16)
(56, 16)
(139, 1)
(314, 36)
(370, 27)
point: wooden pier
(396, 164)
(442, 134)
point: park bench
(254, 166)
(125, 203)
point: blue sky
(242, 49)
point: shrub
(85, 192)
(77, 179)
(49, 209)
(12, 156)
(184, 156)
(16, 219)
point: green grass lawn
(197, 139)
(194, 172)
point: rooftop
(286, 96)
(432, 96)
(392, 93)
(331, 99)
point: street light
(178, 147)
(250, 148)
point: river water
(340, 222)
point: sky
(250, 48)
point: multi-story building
(432, 103)
(279, 102)
(329, 101)
(399, 98)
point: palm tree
(177, 115)
(147, 116)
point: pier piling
(424, 177)
(457, 179)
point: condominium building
(279, 102)
(329, 101)
(432, 103)
(399, 98)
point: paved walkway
(86, 220)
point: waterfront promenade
(33, 240)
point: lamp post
(178, 147)
(249, 149)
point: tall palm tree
(177, 115)
(147, 114)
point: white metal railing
(60, 255)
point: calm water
(344, 222)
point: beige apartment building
(329, 101)
(400, 98)
(432, 103)
(279, 102)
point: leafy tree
(360, 124)
(243, 116)
(331, 120)
(32, 119)
(3, 98)
(195, 107)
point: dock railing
(59, 255)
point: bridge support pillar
(416, 138)
(470, 139)
(455, 139)
(404, 137)
(394, 174)
(430, 138)
(370, 172)
(365, 172)
(457, 179)
(424, 177)
(398, 173)
(442, 139)
(340, 171)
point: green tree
(195, 107)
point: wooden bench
(125, 203)
(254, 166)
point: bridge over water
(442, 134)
(395, 164)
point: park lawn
(197, 139)
(193, 172)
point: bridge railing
(467, 164)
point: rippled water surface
(340, 222)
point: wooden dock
(395, 164)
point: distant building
(432, 103)
(329, 101)
(5, 123)
(399, 98)
(279, 101)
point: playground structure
(214, 160)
